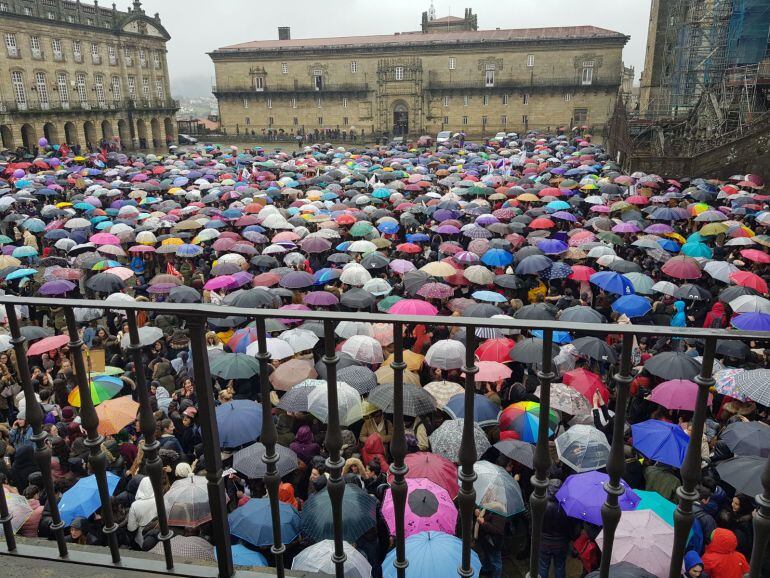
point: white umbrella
(318, 559)
(299, 339)
(120, 298)
(446, 354)
(720, 270)
(85, 314)
(232, 258)
(442, 391)
(64, 244)
(77, 223)
(348, 402)
(583, 448)
(347, 329)
(378, 287)
(364, 349)
(750, 304)
(277, 348)
(362, 246)
(146, 238)
(665, 287)
(147, 336)
(642, 538)
(355, 275)
(5, 343)
(600, 251)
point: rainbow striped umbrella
(103, 387)
(521, 421)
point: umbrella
(318, 559)
(583, 448)
(115, 414)
(673, 365)
(248, 461)
(676, 394)
(658, 504)
(747, 438)
(445, 440)
(82, 499)
(581, 314)
(632, 305)
(446, 354)
(416, 402)
(433, 467)
(612, 282)
(753, 384)
(291, 373)
(19, 510)
(413, 307)
(431, 554)
(103, 387)
(361, 378)
(485, 411)
(234, 366)
(743, 473)
(429, 507)
(148, 335)
(364, 349)
(521, 421)
(530, 351)
(105, 283)
(187, 502)
(642, 538)
(253, 523)
(183, 294)
(518, 451)
(239, 422)
(48, 344)
(682, 267)
(624, 570)
(752, 322)
(496, 490)
(587, 383)
(566, 399)
(442, 391)
(661, 441)
(244, 556)
(582, 496)
(349, 403)
(358, 514)
(595, 348)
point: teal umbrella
(694, 249)
(658, 504)
(234, 366)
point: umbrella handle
(477, 526)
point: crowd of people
(548, 228)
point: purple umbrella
(297, 280)
(443, 215)
(315, 245)
(447, 230)
(582, 496)
(58, 287)
(564, 216)
(485, 220)
(752, 322)
(161, 288)
(321, 299)
(659, 229)
(242, 278)
(552, 246)
(626, 227)
(401, 266)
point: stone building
(448, 76)
(83, 74)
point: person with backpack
(717, 317)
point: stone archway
(90, 131)
(168, 127)
(107, 130)
(157, 140)
(400, 118)
(124, 133)
(141, 133)
(28, 139)
(6, 136)
(70, 133)
(51, 133)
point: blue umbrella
(612, 282)
(752, 322)
(552, 246)
(239, 422)
(82, 499)
(388, 227)
(632, 305)
(431, 554)
(243, 556)
(417, 238)
(558, 206)
(323, 276)
(33, 225)
(382, 193)
(253, 524)
(669, 245)
(559, 270)
(359, 512)
(19, 273)
(25, 251)
(489, 296)
(497, 258)
(559, 337)
(582, 496)
(533, 264)
(661, 441)
(485, 411)
(56, 234)
(188, 250)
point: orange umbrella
(115, 414)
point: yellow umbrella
(172, 241)
(677, 237)
(413, 360)
(439, 269)
(8, 261)
(713, 229)
(385, 375)
(528, 198)
(63, 205)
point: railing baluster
(39, 436)
(94, 440)
(468, 457)
(268, 438)
(616, 461)
(151, 446)
(398, 468)
(333, 442)
(542, 459)
(691, 466)
(761, 525)
(211, 450)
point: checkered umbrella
(248, 461)
(417, 401)
(295, 399)
(362, 379)
(753, 384)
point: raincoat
(680, 318)
(143, 510)
(374, 448)
(716, 317)
(721, 559)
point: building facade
(448, 76)
(83, 74)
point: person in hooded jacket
(142, 513)
(304, 444)
(374, 448)
(722, 559)
(717, 317)
(24, 464)
(693, 565)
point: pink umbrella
(220, 282)
(104, 239)
(401, 266)
(435, 291)
(682, 267)
(48, 344)
(413, 307)
(141, 249)
(492, 371)
(123, 273)
(428, 508)
(676, 394)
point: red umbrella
(581, 273)
(542, 223)
(756, 255)
(265, 280)
(682, 267)
(48, 344)
(586, 383)
(409, 248)
(496, 349)
(433, 467)
(751, 280)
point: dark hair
(320, 483)
(704, 493)
(375, 466)
(165, 424)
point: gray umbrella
(537, 311)
(747, 438)
(147, 336)
(417, 401)
(105, 283)
(357, 298)
(581, 314)
(583, 448)
(184, 294)
(234, 366)
(743, 473)
(595, 348)
(518, 451)
(361, 378)
(248, 461)
(413, 280)
(345, 360)
(31, 332)
(253, 298)
(673, 365)
(531, 351)
(624, 570)
(446, 439)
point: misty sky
(199, 26)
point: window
(483, 121)
(19, 92)
(56, 49)
(530, 60)
(446, 101)
(245, 103)
(489, 78)
(142, 58)
(269, 102)
(318, 102)
(525, 99)
(156, 60)
(353, 66)
(248, 120)
(146, 88)
(525, 119)
(127, 56)
(399, 73)
(588, 75)
(345, 121)
(270, 120)
(160, 90)
(465, 100)
(112, 55)
(318, 79)
(132, 87)
(62, 87)
(505, 98)
(10, 44)
(80, 87)
(34, 47)
(99, 89)
(485, 100)
(77, 52)
(567, 96)
(503, 120)
(51, 15)
(117, 89)
(320, 121)
(344, 102)
(284, 68)
(446, 120)
(580, 116)
(465, 120)
(293, 102)
(96, 58)
(42, 90)
(3, 6)
(452, 63)
(259, 83)
(295, 121)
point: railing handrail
(219, 311)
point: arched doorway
(70, 133)
(51, 133)
(6, 136)
(168, 126)
(28, 139)
(124, 134)
(107, 130)
(400, 119)
(156, 138)
(90, 131)
(141, 133)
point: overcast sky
(199, 26)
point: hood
(722, 542)
(718, 308)
(304, 435)
(161, 393)
(162, 369)
(145, 491)
(679, 306)
(692, 559)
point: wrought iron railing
(195, 317)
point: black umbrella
(581, 314)
(623, 266)
(732, 348)
(518, 451)
(359, 514)
(345, 361)
(537, 311)
(339, 258)
(183, 294)
(32, 332)
(105, 283)
(732, 293)
(226, 268)
(692, 292)
(624, 570)
(743, 473)
(673, 365)
(253, 298)
(264, 262)
(417, 401)
(485, 310)
(747, 438)
(296, 399)
(248, 461)
(375, 260)
(595, 348)
(508, 282)
(361, 378)
(235, 366)
(530, 351)
(357, 298)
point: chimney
(284, 33)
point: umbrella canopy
(433, 467)
(583, 448)
(239, 422)
(485, 411)
(521, 421)
(115, 414)
(19, 510)
(248, 461)
(349, 403)
(417, 401)
(358, 514)
(642, 538)
(753, 384)
(431, 554)
(661, 441)
(252, 522)
(676, 394)
(673, 365)
(82, 499)
(496, 490)
(445, 439)
(102, 387)
(318, 559)
(747, 438)
(446, 354)
(582, 496)
(187, 502)
(234, 366)
(743, 473)
(624, 570)
(518, 451)
(429, 507)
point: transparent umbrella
(187, 502)
(446, 354)
(318, 559)
(583, 448)
(349, 403)
(496, 490)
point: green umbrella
(609, 237)
(234, 366)
(361, 229)
(388, 302)
(658, 504)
